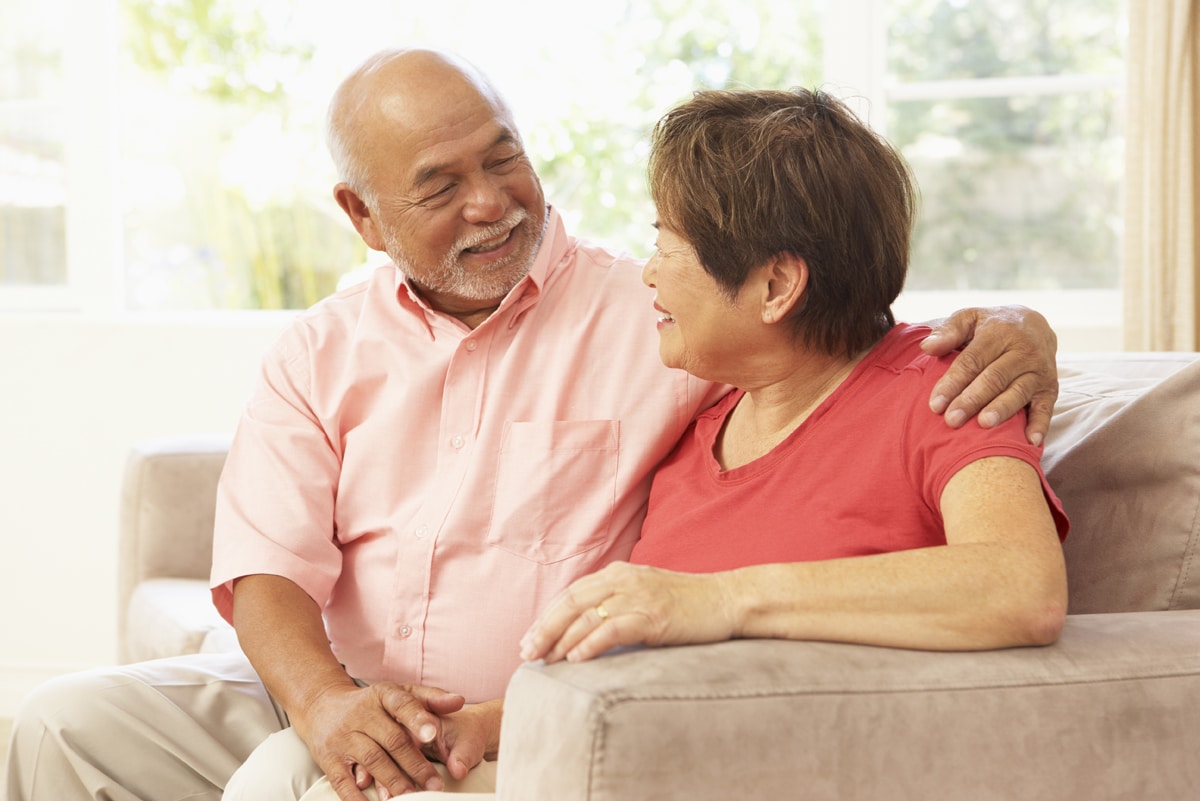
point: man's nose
(486, 202)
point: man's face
(457, 203)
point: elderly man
(427, 459)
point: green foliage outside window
(1018, 191)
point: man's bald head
(398, 87)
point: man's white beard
(453, 278)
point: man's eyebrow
(427, 174)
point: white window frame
(91, 204)
(1085, 319)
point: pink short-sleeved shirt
(432, 486)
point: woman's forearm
(955, 597)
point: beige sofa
(1111, 711)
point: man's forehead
(393, 107)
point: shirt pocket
(555, 488)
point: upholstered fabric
(1097, 716)
(167, 505)
(172, 616)
(1123, 455)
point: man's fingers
(990, 400)
(967, 386)
(437, 700)
(344, 782)
(952, 333)
(1040, 410)
(410, 707)
(399, 766)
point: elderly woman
(820, 499)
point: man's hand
(1007, 363)
(360, 735)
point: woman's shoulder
(899, 352)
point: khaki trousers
(175, 728)
(198, 727)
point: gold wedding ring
(602, 612)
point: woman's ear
(786, 277)
(360, 215)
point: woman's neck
(770, 411)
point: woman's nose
(649, 270)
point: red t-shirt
(863, 474)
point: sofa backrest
(1123, 454)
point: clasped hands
(387, 734)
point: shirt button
(406, 631)
(457, 442)
(421, 531)
(472, 345)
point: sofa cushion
(172, 616)
(1123, 454)
(1105, 714)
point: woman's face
(700, 328)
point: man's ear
(786, 280)
(360, 215)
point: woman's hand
(626, 604)
(469, 736)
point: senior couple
(477, 456)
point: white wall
(76, 392)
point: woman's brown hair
(745, 175)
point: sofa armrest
(1108, 712)
(168, 498)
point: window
(32, 170)
(1008, 111)
(58, 216)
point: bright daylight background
(165, 196)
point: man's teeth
(666, 318)
(490, 245)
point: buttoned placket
(416, 548)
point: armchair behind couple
(1108, 712)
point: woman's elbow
(1039, 609)
(1044, 625)
(1042, 612)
